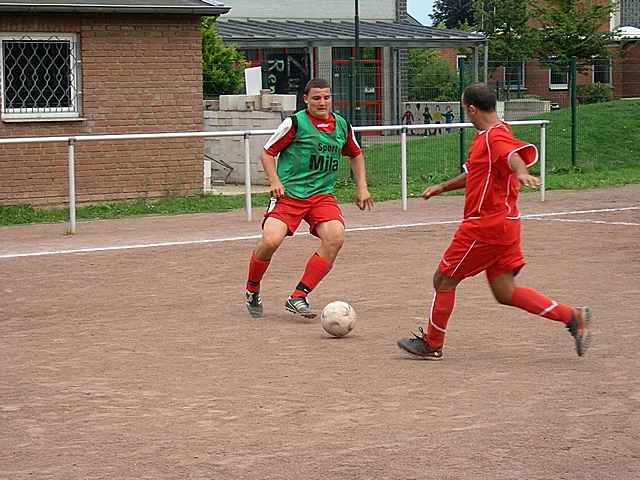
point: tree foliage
(432, 77)
(222, 65)
(506, 25)
(452, 13)
(572, 28)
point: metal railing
(71, 141)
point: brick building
(103, 66)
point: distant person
(309, 146)
(449, 116)
(428, 119)
(437, 119)
(407, 119)
(488, 239)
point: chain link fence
(577, 98)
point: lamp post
(355, 66)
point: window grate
(40, 75)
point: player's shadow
(291, 318)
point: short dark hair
(480, 96)
(316, 83)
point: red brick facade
(626, 71)
(140, 74)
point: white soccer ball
(338, 318)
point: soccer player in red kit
(488, 239)
(309, 146)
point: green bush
(594, 93)
(431, 77)
(222, 65)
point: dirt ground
(127, 361)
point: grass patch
(571, 179)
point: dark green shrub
(594, 93)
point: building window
(602, 71)
(458, 59)
(252, 55)
(40, 76)
(558, 77)
(514, 75)
(342, 53)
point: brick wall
(630, 81)
(140, 74)
(630, 13)
(401, 11)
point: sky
(420, 10)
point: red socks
(441, 308)
(315, 270)
(256, 272)
(533, 302)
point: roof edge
(98, 8)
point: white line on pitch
(585, 220)
(578, 212)
(255, 237)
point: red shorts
(314, 210)
(466, 257)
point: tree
(431, 77)
(572, 28)
(222, 66)
(452, 13)
(506, 24)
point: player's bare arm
(269, 165)
(364, 201)
(520, 169)
(452, 184)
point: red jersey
(286, 133)
(491, 212)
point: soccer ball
(338, 318)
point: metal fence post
(574, 105)
(71, 173)
(543, 160)
(461, 86)
(403, 167)
(247, 176)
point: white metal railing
(246, 134)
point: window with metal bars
(558, 77)
(514, 75)
(602, 70)
(40, 76)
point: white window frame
(522, 85)
(558, 86)
(593, 72)
(44, 114)
(458, 57)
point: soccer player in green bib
(309, 146)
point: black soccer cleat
(579, 329)
(254, 304)
(299, 306)
(418, 346)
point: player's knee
(502, 299)
(503, 295)
(333, 243)
(442, 282)
(270, 243)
